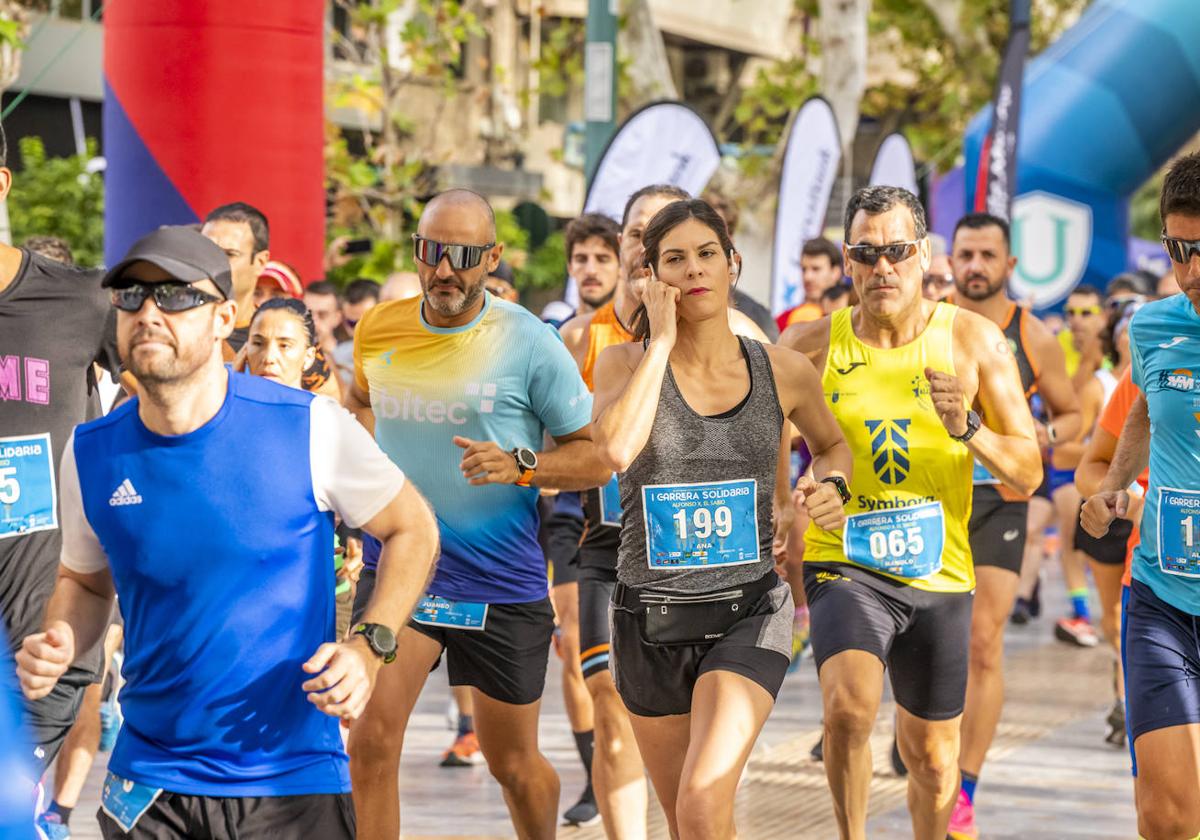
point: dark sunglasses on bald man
(432, 252)
(169, 297)
(895, 252)
(1181, 250)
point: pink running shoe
(962, 821)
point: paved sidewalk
(1050, 775)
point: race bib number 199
(905, 542)
(698, 525)
(1179, 532)
(28, 501)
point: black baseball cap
(183, 252)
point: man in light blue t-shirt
(461, 389)
(1161, 638)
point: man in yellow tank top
(919, 388)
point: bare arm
(1093, 465)
(626, 402)
(76, 619)
(1111, 499)
(409, 533)
(1006, 442)
(1055, 386)
(1067, 454)
(574, 335)
(1133, 449)
(358, 403)
(573, 464)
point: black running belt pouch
(694, 619)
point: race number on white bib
(904, 542)
(1179, 532)
(698, 525)
(28, 501)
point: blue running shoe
(51, 827)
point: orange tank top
(604, 331)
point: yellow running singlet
(911, 489)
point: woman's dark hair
(296, 308)
(1108, 333)
(665, 221)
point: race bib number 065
(698, 525)
(1179, 532)
(905, 542)
(28, 501)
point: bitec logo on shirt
(412, 407)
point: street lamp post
(600, 80)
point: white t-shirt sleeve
(351, 475)
(81, 549)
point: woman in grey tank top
(692, 419)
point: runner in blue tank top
(234, 684)
(1162, 620)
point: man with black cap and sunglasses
(52, 328)
(234, 683)
(460, 388)
(919, 388)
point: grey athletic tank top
(697, 499)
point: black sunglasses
(1181, 250)
(894, 252)
(169, 297)
(432, 252)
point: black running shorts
(658, 680)
(1109, 550)
(997, 529)
(172, 816)
(595, 636)
(506, 660)
(562, 533)
(50, 719)
(922, 638)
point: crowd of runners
(302, 502)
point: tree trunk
(843, 39)
(641, 42)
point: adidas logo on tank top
(125, 495)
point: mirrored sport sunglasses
(1181, 250)
(894, 252)
(432, 252)
(169, 297)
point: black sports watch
(840, 485)
(973, 424)
(381, 640)
(527, 464)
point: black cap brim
(178, 270)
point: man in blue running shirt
(461, 388)
(207, 504)
(1162, 620)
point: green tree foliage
(1143, 209)
(944, 71)
(59, 197)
